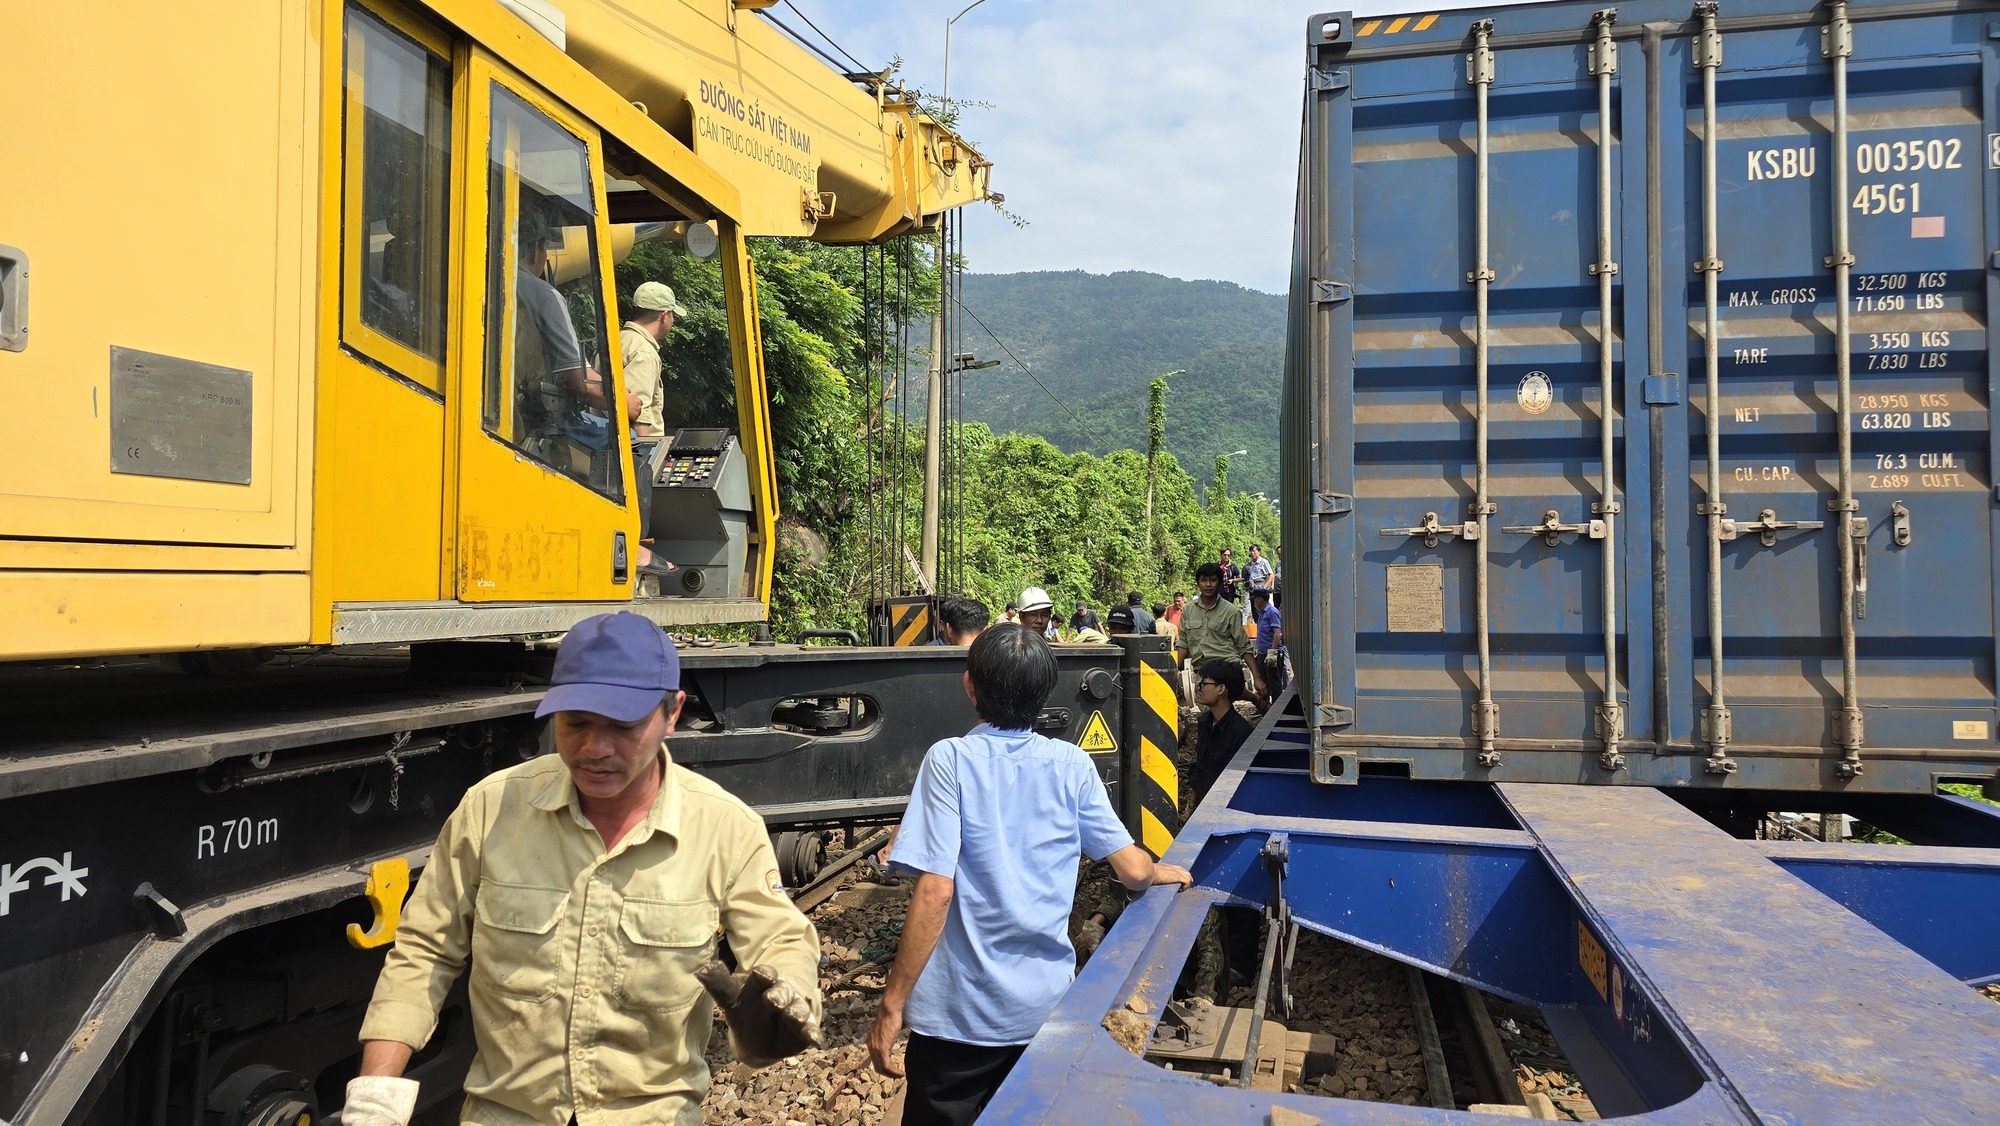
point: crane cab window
(548, 389)
(686, 350)
(396, 198)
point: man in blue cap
(587, 889)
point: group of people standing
(587, 894)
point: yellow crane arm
(813, 154)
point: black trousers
(642, 456)
(950, 1082)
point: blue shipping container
(1765, 557)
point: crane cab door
(540, 447)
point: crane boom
(813, 153)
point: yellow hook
(388, 884)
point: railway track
(828, 878)
(1349, 1023)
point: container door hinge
(1333, 715)
(1327, 81)
(1331, 292)
(1604, 49)
(1707, 45)
(1330, 504)
(1716, 725)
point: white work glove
(379, 1100)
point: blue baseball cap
(617, 665)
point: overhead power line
(1029, 372)
(858, 64)
(837, 64)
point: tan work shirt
(1213, 635)
(642, 374)
(584, 1000)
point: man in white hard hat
(654, 308)
(1036, 610)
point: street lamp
(947, 50)
(966, 361)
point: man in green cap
(654, 309)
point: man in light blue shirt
(993, 830)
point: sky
(1158, 135)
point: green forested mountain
(1096, 340)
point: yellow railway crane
(278, 283)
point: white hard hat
(1035, 598)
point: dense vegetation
(1031, 514)
(1096, 340)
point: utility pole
(934, 431)
(934, 384)
(934, 374)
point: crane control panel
(701, 512)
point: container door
(543, 456)
(1910, 502)
(1465, 257)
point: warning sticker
(1590, 956)
(1097, 735)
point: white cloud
(1156, 135)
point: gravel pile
(833, 1085)
(1360, 998)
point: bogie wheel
(259, 1095)
(799, 856)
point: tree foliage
(1032, 515)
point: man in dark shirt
(1270, 640)
(1231, 576)
(1221, 730)
(1142, 622)
(1084, 618)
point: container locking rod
(1610, 724)
(1486, 713)
(1715, 719)
(1836, 43)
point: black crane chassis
(179, 859)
